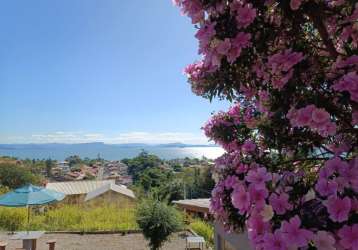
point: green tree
(140, 163)
(198, 182)
(205, 184)
(73, 160)
(49, 165)
(174, 190)
(14, 176)
(177, 167)
(153, 178)
(158, 221)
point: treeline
(170, 180)
(14, 173)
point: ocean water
(108, 152)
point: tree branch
(316, 18)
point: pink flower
(326, 187)
(231, 181)
(355, 118)
(349, 174)
(258, 177)
(241, 168)
(349, 237)
(304, 116)
(324, 241)
(313, 117)
(245, 15)
(349, 61)
(338, 209)
(192, 8)
(336, 165)
(280, 203)
(295, 4)
(204, 35)
(274, 241)
(258, 195)
(248, 146)
(348, 82)
(293, 235)
(242, 40)
(194, 71)
(281, 67)
(223, 47)
(256, 228)
(284, 61)
(320, 116)
(240, 199)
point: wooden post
(3, 245)
(33, 245)
(51, 244)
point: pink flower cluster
(191, 8)
(262, 197)
(231, 121)
(315, 118)
(334, 178)
(348, 82)
(205, 34)
(245, 13)
(195, 72)
(280, 66)
(212, 48)
(227, 48)
(295, 4)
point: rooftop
(197, 205)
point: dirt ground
(97, 242)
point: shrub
(4, 189)
(158, 221)
(203, 229)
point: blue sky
(90, 70)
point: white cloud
(166, 137)
(128, 137)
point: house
(76, 175)
(94, 192)
(198, 207)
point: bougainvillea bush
(290, 172)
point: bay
(107, 151)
